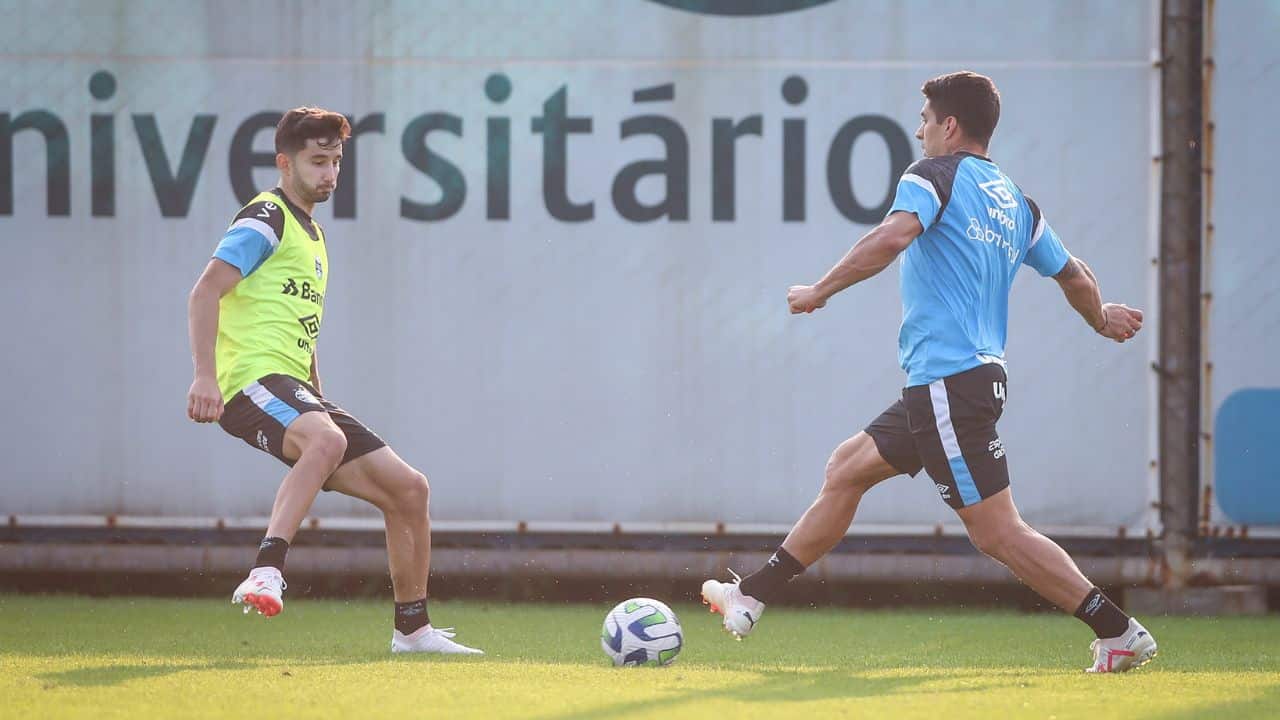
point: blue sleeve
(1046, 255)
(245, 248)
(916, 194)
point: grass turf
(69, 657)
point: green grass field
(69, 657)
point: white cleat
(263, 591)
(427, 639)
(1133, 649)
(741, 612)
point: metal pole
(1182, 24)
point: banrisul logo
(741, 7)
(661, 160)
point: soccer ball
(641, 631)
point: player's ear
(282, 162)
(950, 126)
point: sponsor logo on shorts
(262, 442)
(996, 448)
(305, 396)
(944, 491)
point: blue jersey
(978, 230)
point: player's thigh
(382, 478)
(310, 429)
(953, 422)
(857, 464)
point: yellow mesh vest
(270, 321)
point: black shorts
(949, 428)
(260, 413)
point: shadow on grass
(106, 675)
(783, 686)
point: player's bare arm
(204, 400)
(865, 259)
(1112, 320)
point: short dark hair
(306, 123)
(970, 98)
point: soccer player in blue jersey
(963, 229)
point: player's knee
(329, 444)
(848, 470)
(838, 477)
(984, 542)
(414, 494)
(994, 540)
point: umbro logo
(310, 325)
(1093, 605)
(997, 190)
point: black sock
(412, 615)
(765, 583)
(271, 553)
(1099, 613)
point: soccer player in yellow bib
(254, 319)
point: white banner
(560, 249)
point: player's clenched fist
(204, 400)
(1121, 322)
(804, 299)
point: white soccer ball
(641, 631)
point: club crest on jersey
(319, 270)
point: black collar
(304, 219)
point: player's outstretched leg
(402, 494)
(855, 467)
(996, 528)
